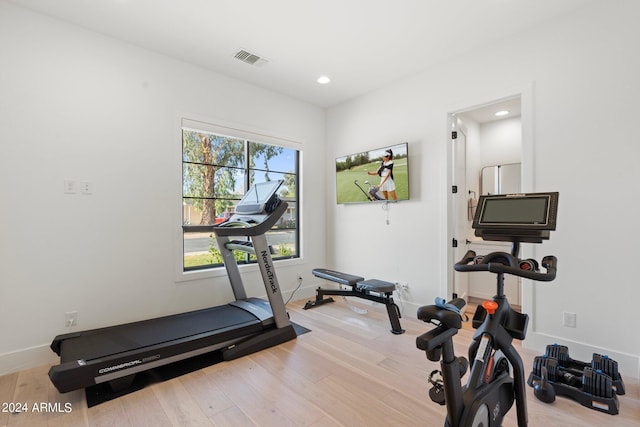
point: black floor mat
(101, 393)
(300, 329)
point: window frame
(259, 137)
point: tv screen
(377, 175)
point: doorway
(486, 158)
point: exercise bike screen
(516, 210)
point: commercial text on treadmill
(120, 366)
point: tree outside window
(216, 172)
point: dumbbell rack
(594, 385)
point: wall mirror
(501, 179)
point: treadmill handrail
(249, 230)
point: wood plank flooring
(348, 371)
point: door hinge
(454, 243)
(454, 189)
(454, 134)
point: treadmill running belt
(102, 342)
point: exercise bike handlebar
(503, 262)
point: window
(216, 172)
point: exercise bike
(491, 387)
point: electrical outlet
(86, 187)
(401, 286)
(71, 319)
(569, 319)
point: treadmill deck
(103, 342)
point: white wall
(501, 142)
(581, 76)
(76, 105)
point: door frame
(525, 92)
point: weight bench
(372, 290)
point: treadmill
(115, 354)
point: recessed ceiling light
(502, 113)
(323, 80)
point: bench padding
(375, 285)
(336, 276)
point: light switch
(70, 186)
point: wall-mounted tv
(379, 175)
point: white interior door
(460, 219)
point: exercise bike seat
(443, 315)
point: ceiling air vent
(250, 58)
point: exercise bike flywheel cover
(490, 306)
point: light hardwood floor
(349, 371)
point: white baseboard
(26, 359)
(628, 364)
(408, 309)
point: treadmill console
(258, 211)
(261, 198)
(255, 206)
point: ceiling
(487, 113)
(361, 45)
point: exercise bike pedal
(436, 392)
(463, 364)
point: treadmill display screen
(257, 197)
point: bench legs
(320, 299)
(394, 316)
(392, 309)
